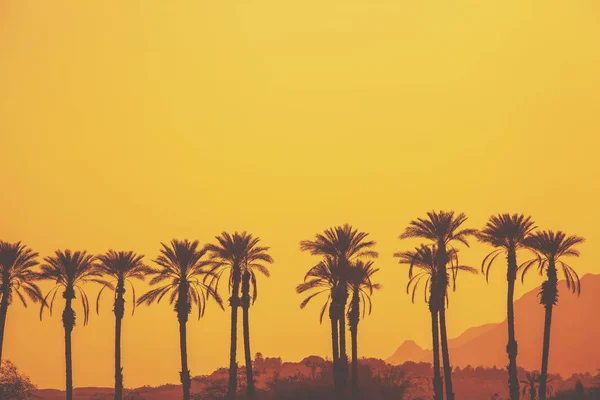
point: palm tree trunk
(68, 324)
(3, 312)
(343, 362)
(118, 370)
(234, 301)
(119, 310)
(246, 328)
(335, 349)
(354, 320)
(548, 297)
(438, 390)
(511, 347)
(545, 353)
(185, 373)
(446, 355)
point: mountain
(574, 343)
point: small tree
(13, 384)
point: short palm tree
(551, 248)
(229, 254)
(362, 286)
(507, 234)
(531, 385)
(182, 273)
(345, 245)
(16, 278)
(70, 270)
(120, 267)
(442, 229)
(254, 262)
(423, 268)
(323, 279)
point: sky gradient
(124, 124)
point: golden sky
(127, 123)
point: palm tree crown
(120, 267)
(360, 281)
(423, 258)
(16, 272)
(441, 227)
(70, 270)
(342, 242)
(550, 248)
(323, 278)
(506, 233)
(181, 267)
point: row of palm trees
(191, 274)
(186, 271)
(346, 266)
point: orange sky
(123, 124)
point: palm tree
(324, 278)
(507, 233)
(345, 245)
(253, 263)
(530, 384)
(70, 270)
(551, 247)
(360, 282)
(442, 228)
(120, 267)
(230, 254)
(182, 272)
(16, 277)
(423, 258)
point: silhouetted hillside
(575, 329)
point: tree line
(190, 275)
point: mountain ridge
(573, 334)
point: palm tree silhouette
(345, 245)
(550, 248)
(230, 253)
(507, 233)
(182, 273)
(360, 282)
(324, 278)
(531, 385)
(70, 270)
(253, 263)
(442, 228)
(423, 258)
(16, 277)
(120, 267)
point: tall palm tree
(324, 278)
(255, 259)
(181, 273)
(362, 287)
(229, 254)
(423, 259)
(16, 277)
(442, 229)
(120, 267)
(551, 247)
(70, 270)
(507, 233)
(345, 245)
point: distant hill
(574, 339)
